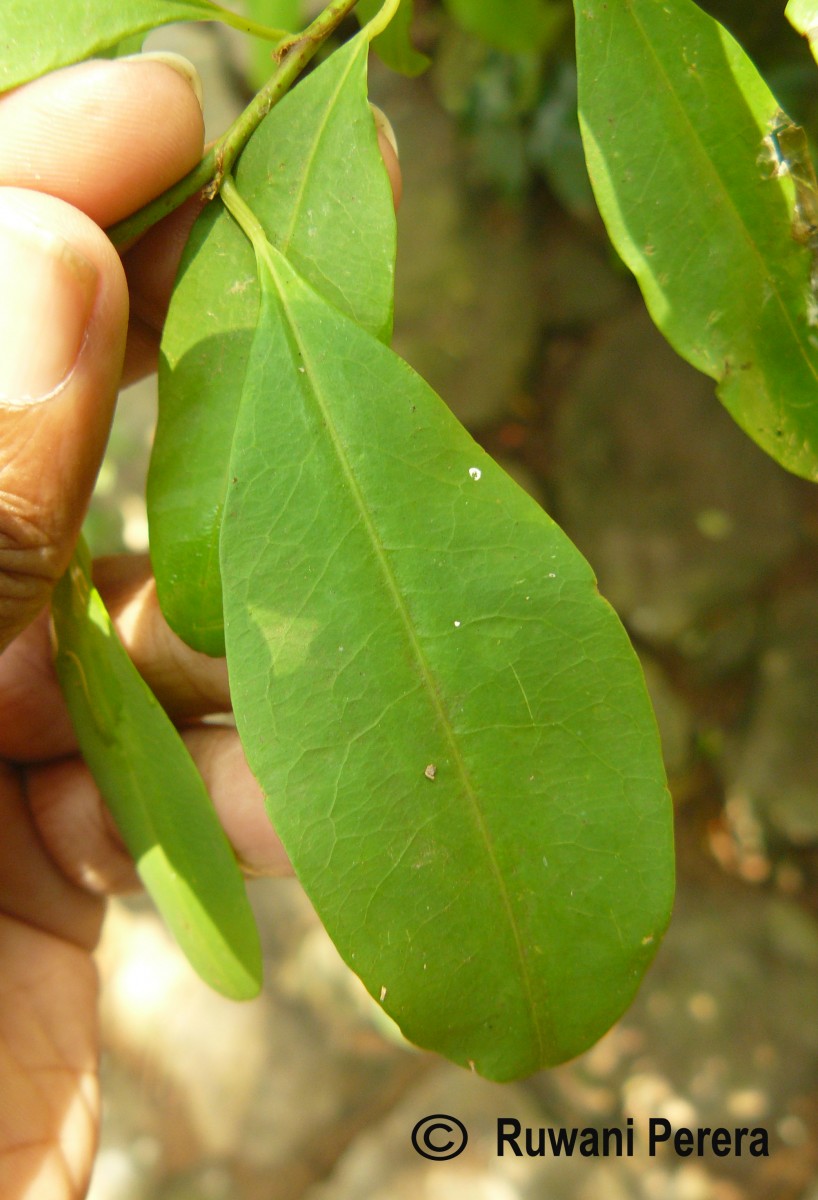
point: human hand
(79, 150)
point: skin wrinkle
(40, 1080)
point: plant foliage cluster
(449, 723)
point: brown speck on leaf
(430, 771)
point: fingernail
(178, 63)
(384, 126)
(47, 294)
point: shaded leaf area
(449, 724)
(153, 791)
(281, 14)
(314, 176)
(394, 45)
(515, 25)
(676, 152)
(79, 29)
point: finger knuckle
(30, 559)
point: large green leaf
(674, 118)
(449, 724)
(314, 176)
(155, 794)
(394, 45)
(31, 45)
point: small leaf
(315, 177)
(154, 792)
(394, 46)
(78, 29)
(677, 127)
(516, 26)
(449, 724)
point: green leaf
(314, 175)
(674, 118)
(78, 29)
(516, 26)
(803, 16)
(394, 45)
(449, 724)
(128, 46)
(283, 14)
(155, 794)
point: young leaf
(154, 792)
(79, 29)
(516, 26)
(449, 724)
(677, 126)
(315, 177)
(394, 45)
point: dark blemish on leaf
(430, 771)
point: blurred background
(511, 302)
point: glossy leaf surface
(78, 29)
(449, 723)
(314, 176)
(394, 45)
(154, 792)
(674, 119)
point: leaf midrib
(313, 151)
(425, 670)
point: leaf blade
(673, 145)
(314, 175)
(516, 26)
(394, 46)
(371, 635)
(79, 29)
(154, 792)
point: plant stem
(243, 215)
(247, 25)
(293, 56)
(381, 19)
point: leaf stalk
(208, 174)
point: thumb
(63, 320)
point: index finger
(106, 136)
